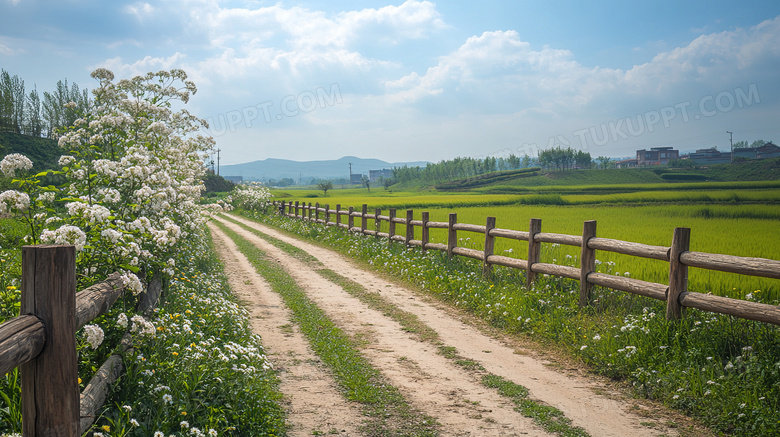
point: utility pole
(350, 172)
(731, 141)
(218, 150)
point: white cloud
(499, 66)
(140, 10)
(5, 50)
(303, 28)
(498, 69)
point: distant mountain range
(306, 170)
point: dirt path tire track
(428, 381)
(576, 397)
(314, 403)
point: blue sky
(417, 80)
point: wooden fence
(679, 257)
(42, 342)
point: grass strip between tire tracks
(549, 418)
(388, 412)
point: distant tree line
(754, 145)
(35, 114)
(460, 168)
(563, 159)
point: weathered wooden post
(452, 234)
(350, 219)
(377, 221)
(678, 272)
(327, 215)
(296, 209)
(534, 250)
(490, 241)
(338, 215)
(50, 388)
(409, 227)
(317, 212)
(426, 236)
(587, 261)
(363, 220)
(391, 226)
(310, 212)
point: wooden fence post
(311, 211)
(452, 234)
(338, 215)
(534, 250)
(490, 241)
(587, 261)
(678, 272)
(377, 221)
(316, 212)
(426, 236)
(363, 223)
(327, 214)
(296, 209)
(409, 227)
(391, 226)
(50, 388)
(350, 219)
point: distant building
(656, 156)
(710, 156)
(234, 179)
(626, 163)
(385, 173)
(356, 178)
(767, 151)
(746, 153)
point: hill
(306, 170)
(43, 152)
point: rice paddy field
(742, 220)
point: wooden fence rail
(42, 342)
(678, 255)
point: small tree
(604, 162)
(366, 182)
(325, 186)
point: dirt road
(429, 381)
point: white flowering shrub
(253, 196)
(133, 167)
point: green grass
(551, 419)
(741, 230)
(383, 404)
(722, 370)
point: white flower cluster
(13, 200)
(13, 162)
(132, 283)
(65, 234)
(94, 335)
(142, 326)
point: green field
(733, 218)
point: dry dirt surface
(430, 382)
